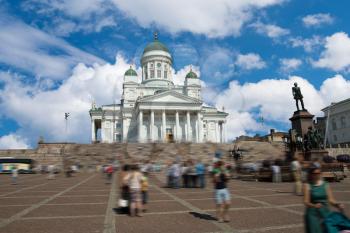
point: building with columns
(157, 110)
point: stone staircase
(91, 155)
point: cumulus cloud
(336, 55)
(63, 17)
(250, 61)
(269, 30)
(30, 49)
(290, 64)
(272, 99)
(212, 18)
(13, 141)
(309, 44)
(317, 20)
(41, 112)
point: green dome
(191, 74)
(156, 45)
(130, 72)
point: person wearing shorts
(134, 179)
(222, 195)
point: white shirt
(295, 165)
(276, 169)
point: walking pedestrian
(124, 201)
(276, 173)
(133, 179)
(184, 171)
(200, 170)
(317, 197)
(144, 190)
(222, 195)
(296, 169)
(14, 175)
(109, 173)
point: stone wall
(338, 151)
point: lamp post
(66, 115)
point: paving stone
(68, 210)
(172, 223)
(8, 211)
(81, 225)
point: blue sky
(57, 56)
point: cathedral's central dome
(156, 45)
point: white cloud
(13, 141)
(290, 64)
(336, 55)
(309, 44)
(30, 49)
(250, 61)
(317, 20)
(269, 30)
(63, 17)
(212, 18)
(272, 99)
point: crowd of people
(192, 175)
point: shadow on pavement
(203, 216)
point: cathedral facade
(156, 110)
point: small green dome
(130, 72)
(191, 74)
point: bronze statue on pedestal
(298, 96)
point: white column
(217, 132)
(223, 132)
(188, 135)
(177, 135)
(148, 70)
(200, 125)
(140, 126)
(152, 126)
(93, 131)
(164, 125)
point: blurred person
(184, 171)
(109, 173)
(176, 174)
(222, 195)
(200, 170)
(144, 190)
(14, 175)
(296, 170)
(134, 179)
(51, 170)
(276, 173)
(192, 175)
(124, 202)
(317, 197)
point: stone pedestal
(301, 121)
(312, 154)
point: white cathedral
(156, 110)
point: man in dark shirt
(222, 195)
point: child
(144, 190)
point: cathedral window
(159, 73)
(152, 73)
(165, 74)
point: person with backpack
(222, 194)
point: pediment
(169, 97)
